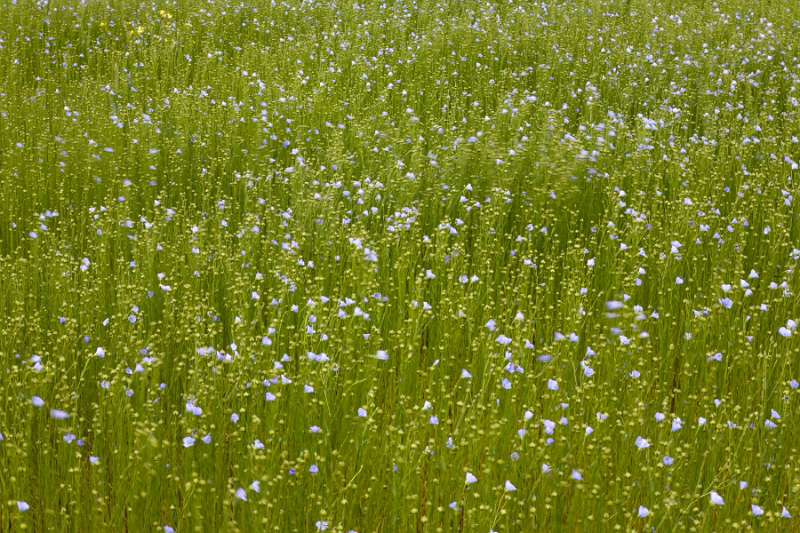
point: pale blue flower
(58, 414)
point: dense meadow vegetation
(399, 266)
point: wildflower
(241, 494)
(642, 443)
(58, 414)
(757, 510)
(644, 512)
(509, 487)
(194, 409)
(22, 506)
(716, 499)
(470, 478)
(503, 340)
(188, 442)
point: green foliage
(396, 241)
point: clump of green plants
(399, 266)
